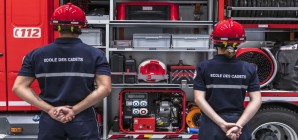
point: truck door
(2, 58)
(27, 28)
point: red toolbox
(152, 111)
(147, 11)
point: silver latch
(183, 83)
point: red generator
(152, 111)
(147, 11)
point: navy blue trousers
(208, 130)
(50, 129)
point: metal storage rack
(110, 104)
(278, 19)
(285, 11)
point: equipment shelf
(97, 21)
(225, 9)
(151, 85)
(161, 50)
(124, 29)
(158, 23)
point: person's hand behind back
(63, 114)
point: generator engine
(152, 112)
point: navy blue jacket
(226, 82)
(65, 70)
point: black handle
(1, 54)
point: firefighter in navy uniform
(220, 86)
(66, 70)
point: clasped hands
(62, 114)
(232, 130)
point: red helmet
(228, 31)
(69, 14)
(152, 67)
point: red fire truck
(24, 25)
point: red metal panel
(144, 124)
(27, 27)
(2, 58)
(221, 10)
